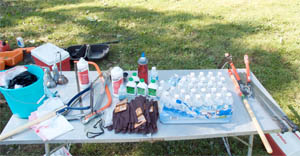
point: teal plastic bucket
(23, 101)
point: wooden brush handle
(29, 124)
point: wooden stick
(29, 124)
(252, 116)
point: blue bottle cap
(143, 54)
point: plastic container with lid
(46, 55)
(135, 77)
(152, 89)
(131, 87)
(142, 88)
(117, 79)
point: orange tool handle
(246, 60)
(236, 84)
(252, 115)
(106, 90)
(235, 72)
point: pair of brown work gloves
(138, 116)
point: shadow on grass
(172, 40)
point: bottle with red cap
(143, 68)
(4, 46)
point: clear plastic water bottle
(220, 84)
(201, 74)
(193, 92)
(182, 93)
(159, 92)
(194, 80)
(191, 85)
(187, 100)
(208, 101)
(210, 74)
(122, 92)
(198, 102)
(229, 98)
(219, 74)
(219, 101)
(203, 79)
(210, 84)
(213, 91)
(222, 79)
(203, 91)
(154, 74)
(164, 99)
(183, 80)
(224, 90)
(162, 84)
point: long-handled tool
(252, 115)
(249, 89)
(95, 113)
(274, 106)
(47, 116)
(65, 108)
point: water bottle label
(141, 91)
(130, 90)
(151, 92)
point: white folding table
(240, 125)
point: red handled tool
(251, 113)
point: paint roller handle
(291, 124)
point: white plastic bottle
(218, 101)
(83, 73)
(198, 102)
(131, 87)
(152, 89)
(159, 92)
(136, 79)
(229, 98)
(154, 74)
(117, 80)
(208, 101)
(187, 100)
(142, 88)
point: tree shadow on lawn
(172, 40)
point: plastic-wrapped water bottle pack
(202, 95)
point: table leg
(226, 144)
(47, 149)
(250, 146)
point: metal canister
(20, 42)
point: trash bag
(24, 79)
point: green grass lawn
(175, 34)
